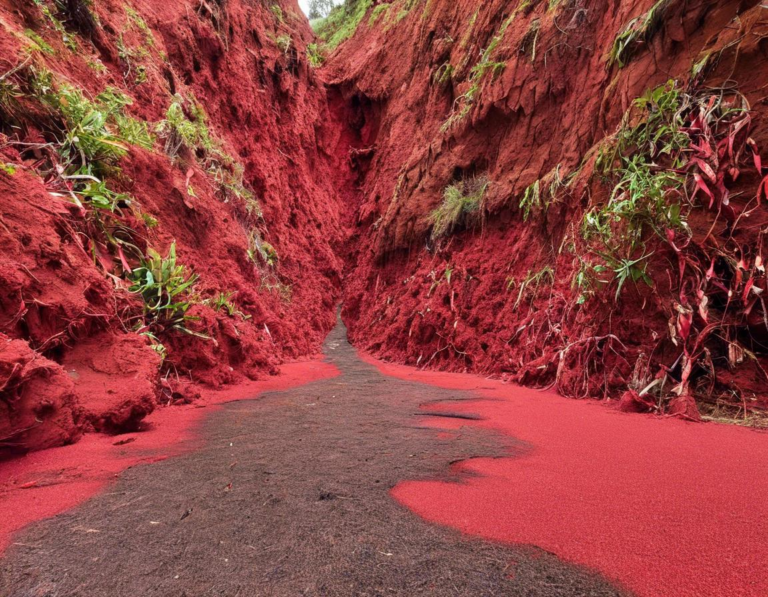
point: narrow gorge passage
(290, 496)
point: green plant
(529, 287)
(444, 74)
(638, 30)
(377, 12)
(462, 206)
(162, 283)
(223, 301)
(466, 101)
(630, 269)
(132, 59)
(98, 195)
(531, 199)
(342, 22)
(587, 280)
(284, 43)
(156, 345)
(315, 56)
(260, 251)
(179, 130)
(50, 9)
(96, 133)
(278, 13)
(38, 43)
(137, 21)
(8, 169)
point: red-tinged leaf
(705, 168)
(671, 238)
(126, 266)
(684, 321)
(762, 190)
(750, 305)
(734, 172)
(704, 149)
(701, 185)
(722, 148)
(738, 279)
(747, 288)
(704, 307)
(711, 270)
(755, 155)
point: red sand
(662, 506)
(45, 483)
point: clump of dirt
(39, 407)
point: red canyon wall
(511, 93)
(75, 353)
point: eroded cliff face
(132, 127)
(524, 214)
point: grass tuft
(461, 207)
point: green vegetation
(651, 165)
(315, 56)
(529, 286)
(163, 284)
(531, 199)
(377, 12)
(640, 29)
(284, 43)
(132, 59)
(444, 74)
(186, 127)
(342, 22)
(647, 197)
(465, 102)
(96, 132)
(38, 43)
(278, 13)
(8, 169)
(137, 22)
(223, 302)
(261, 252)
(182, 131)
(462, 206)
(51, 10)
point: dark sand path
(289, 496)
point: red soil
(264, 105)
(462, 305)
(45, 483)
(662, 506)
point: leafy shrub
(96, 132)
